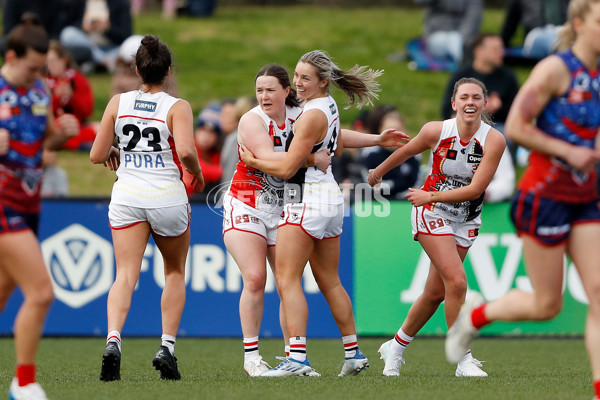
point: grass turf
(68, 368)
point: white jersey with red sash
(454, 163)
(255, 188)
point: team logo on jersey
(451, 154)
(277, 141)
(141, 105)
(80, 264)
(332, 109)
(474, 158)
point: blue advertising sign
(77, 248)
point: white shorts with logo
(239, 216)
(426, 222)
(320, 221)
(170, 221)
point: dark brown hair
(277, 71)
(28, 34)
(153, 60)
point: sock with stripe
(25, 374)
(298, 348)
(115, 337)
(169, 342)
(251, 348)
(350, 345)
(478, 318)
(400, 342)
(287, 350)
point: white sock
(115, 337)
(298, 348)
(286, 350)
(169, 342)
(400, 342)
(251, 348)
(350, 345)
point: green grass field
(218, 57)
(526, 369)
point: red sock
(25, 374)
(478, 318)
(597, 388)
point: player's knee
(436, 295)
(42, 297)
(255, 282)
(456, 285)
(549, 309)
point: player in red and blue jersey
(556, 209)
(26, 126)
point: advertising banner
(77, 247)
(391, 269)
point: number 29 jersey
(149, 175)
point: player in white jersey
(446, 213)
(155, 141)
(254, 202)
(311, 223)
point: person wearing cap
(208, 143)
(125, 78)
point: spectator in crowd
(102, 27)
(54, 15)
(399, 178)
(125, 78)
(55, 182)
(71, 93)
(449, 25)
(347, 167)
(541, 20)
(231, 112)
(169, 8)
(209, 141)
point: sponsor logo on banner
(80, 264)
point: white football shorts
(426, 222)
(239, 216)
(164, 221)
(320, 221)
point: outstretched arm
(426, 139)
(387, 138)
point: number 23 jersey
(149, 175)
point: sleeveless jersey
(454, 164)
(149, 175)
(311, 185)
(252, 186)
(23, 112)
(575, 118)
